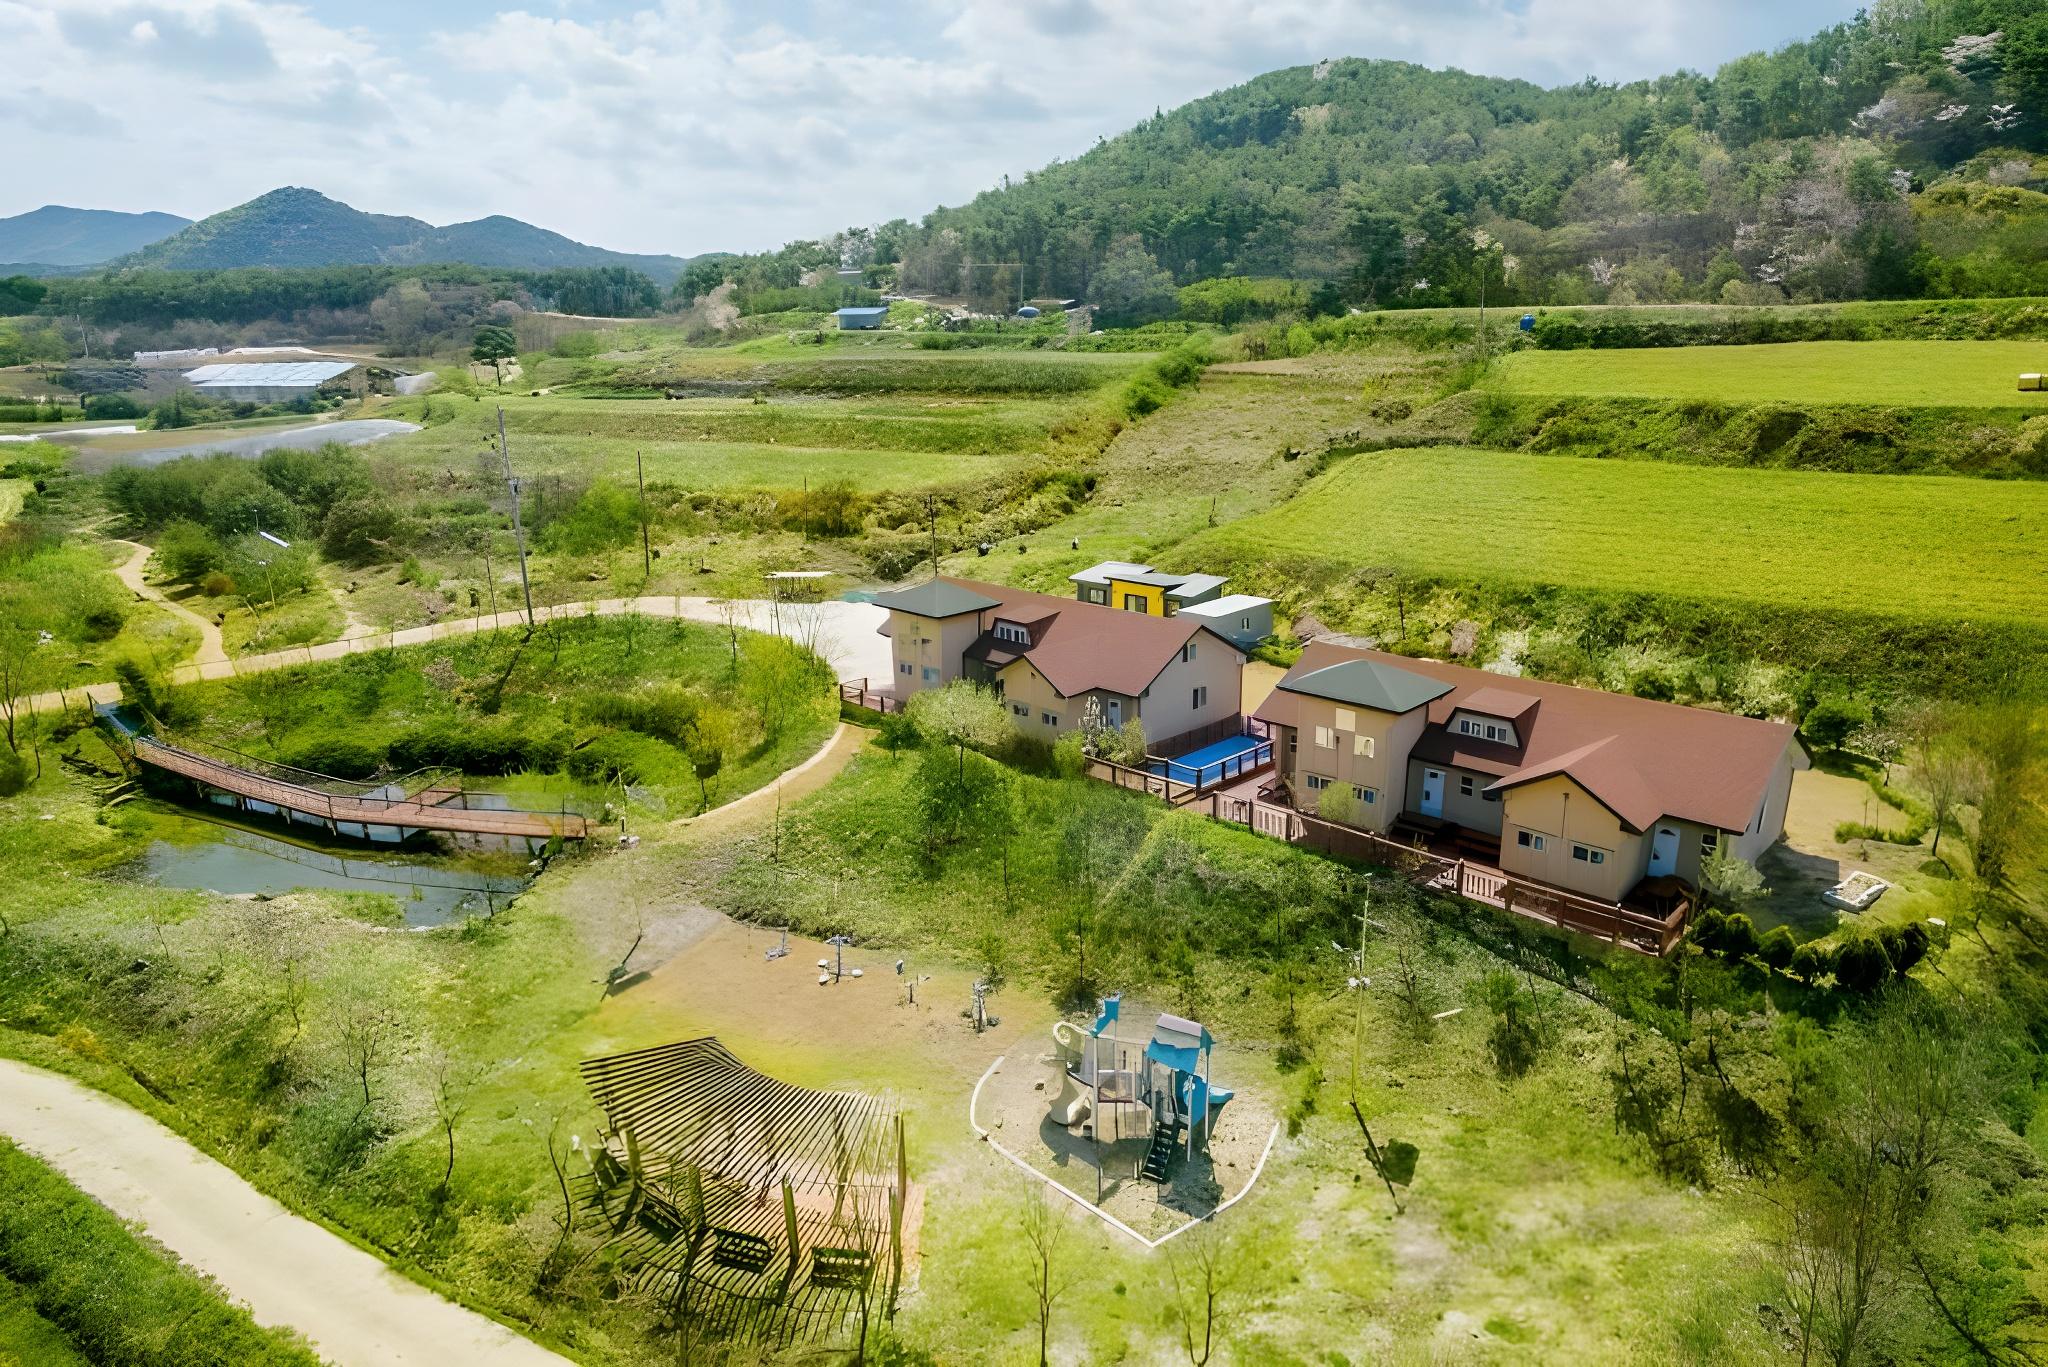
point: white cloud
(691, 125)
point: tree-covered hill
(296, 227)
(57, 235)
(1898, 154)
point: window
(1489, 796)
(1464, 785)
(1710, 844)
(1020, 709)
(1366, 795)
(1187, 653)
(1293, 744)
(1586, 854)
(1244, 624)
(907, 667)
(1529, 840)
(1317, 782)
(1347, 720)
(1484, 730)
(931, 675)
(1201, 697)
(1049, 718)
(1326, 739)
(1134, 602)
(1361, 746)
(1010, 631)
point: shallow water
(352, 432)
(227, 859)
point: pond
(429, 891)
(93, 460)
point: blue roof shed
(862, 317)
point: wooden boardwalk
(421, 811)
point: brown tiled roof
(1081, 646)
(1643, 759)
(1498, 702)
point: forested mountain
(1897, 154)
(300, 227)
(57, 235)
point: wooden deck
(422, 811)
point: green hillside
(296, 227)
(1879, 159)
(57, 235)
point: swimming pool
(1225, 759)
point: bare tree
(365, 1029)
(1045, 1231)
(449, 1089)
(1201, 1264)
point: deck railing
(857, 692)
(1609, 921)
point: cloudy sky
(697, 125)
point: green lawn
(1913, 545)
(1933, 374)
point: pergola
(765, 1209)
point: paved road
(352, 432)
(844, 633)
(290, 1272)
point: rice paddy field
(1899, 373)
(1878, 543)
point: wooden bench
(839, 1267)
(741, 1251)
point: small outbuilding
(851, 319)
(1239, 618)
(276, 382)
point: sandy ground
(212, 650)
(1811, 859)
(290, 1272)
(844, 633)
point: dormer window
(1011, 632)
(1483, 730)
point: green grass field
(1913, 545)
(1929, 374)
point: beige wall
(1473, 813)
(929, 643)
(1563, 813)
(1168, 709)
(1384, 771)
(1765, 833)
(1023, 684)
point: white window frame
(1011, 632)
(1326, 739)
(1050, 718)
(1187, 653)
(931, 674)
(1201, 696)
(1369, 796)
(1467, 785)
(1529, 840)
(1361, 746)
(1021, 710)
(907, 667)
(1588, 854)
(1710, 844)
(1318, 782)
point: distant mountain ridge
(59, 235)
(295, 226)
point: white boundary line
(973, 1103)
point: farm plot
(1928, 374)
(1909, 545)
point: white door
(1432, 792)
(1113, 710)
(1663, 852)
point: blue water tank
(1528, 323)
(1027, 312)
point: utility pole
(646, 553)
(931, 513)
(518, 532)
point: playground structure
(1167, 1081)
(760, 1210)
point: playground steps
(1164, 1137)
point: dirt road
(212, 650)
(290, 1272)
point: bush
(1904, 946)
(1861, 966)
(1831, 721)
(342, 756)
(621, 757)
(359, 528)
(1809, 963)
(477, 749)
(188, 551)
(14, 773)
(112, 406)
(1777, 948)
(218, 584)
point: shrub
(622, 757)
(188, 551)
(1707, 929)
(14, 773)
(359, 528)
(1777, 948)
(1738, 937)
(1831, 721)
(1809, 963)
(1861, 966)
(1904, 946)
(343, 756)
(217, 584)
(476, 749)
(112, 406)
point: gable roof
(1642, 759)
(1367, 683)
(936, 598)
(1081, 646)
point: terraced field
(1927, 374)
(1908, 545)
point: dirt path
(290, 1272)
(212, 650)
(844, 633)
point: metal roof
(1367, 683)
(1229, 603)
(275, 374)
(877, 311)
(936, 598)
(1099, 574)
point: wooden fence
(857, 692)
(1476, 882)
